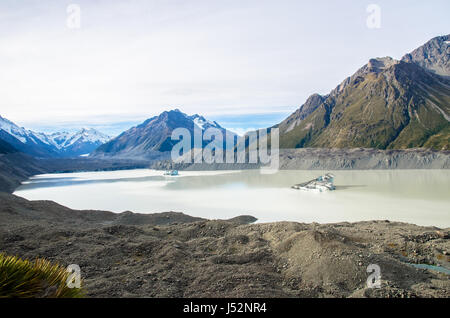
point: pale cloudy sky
(130, 60)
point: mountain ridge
(152, 138)
(386, 104)
(81, 142)
(54, 145)
(433, 56)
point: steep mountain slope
(153, 137)
(15, 167)
(6, 147)
(387, 104)
(62, 144)
(311, 104)
(27, 141)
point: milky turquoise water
(415, 196)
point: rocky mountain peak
(433, 55)
(386, 104)
(153, 136)
(380, 64)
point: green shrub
(41, 278)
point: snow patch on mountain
(65, 139)
(203, 123)
(64, 143)
(20, 133)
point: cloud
(135, 59)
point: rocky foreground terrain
(175, 255)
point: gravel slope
(336, 159)
(174, 255)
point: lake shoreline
(18, 167)
(334, 159)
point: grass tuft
(39, 279)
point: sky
(247, 62)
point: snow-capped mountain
(153, 136)
(27, 141)
(84, 141)
(20, 133)
(202, 123)
(59, 144)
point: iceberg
(321, 184)
(171, 173)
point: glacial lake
(415, 196)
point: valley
(102, 202)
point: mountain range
(153, 136)
(386, 104)
(79, 143)
(58, 144)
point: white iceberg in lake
(171, 173)
(321, 184)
